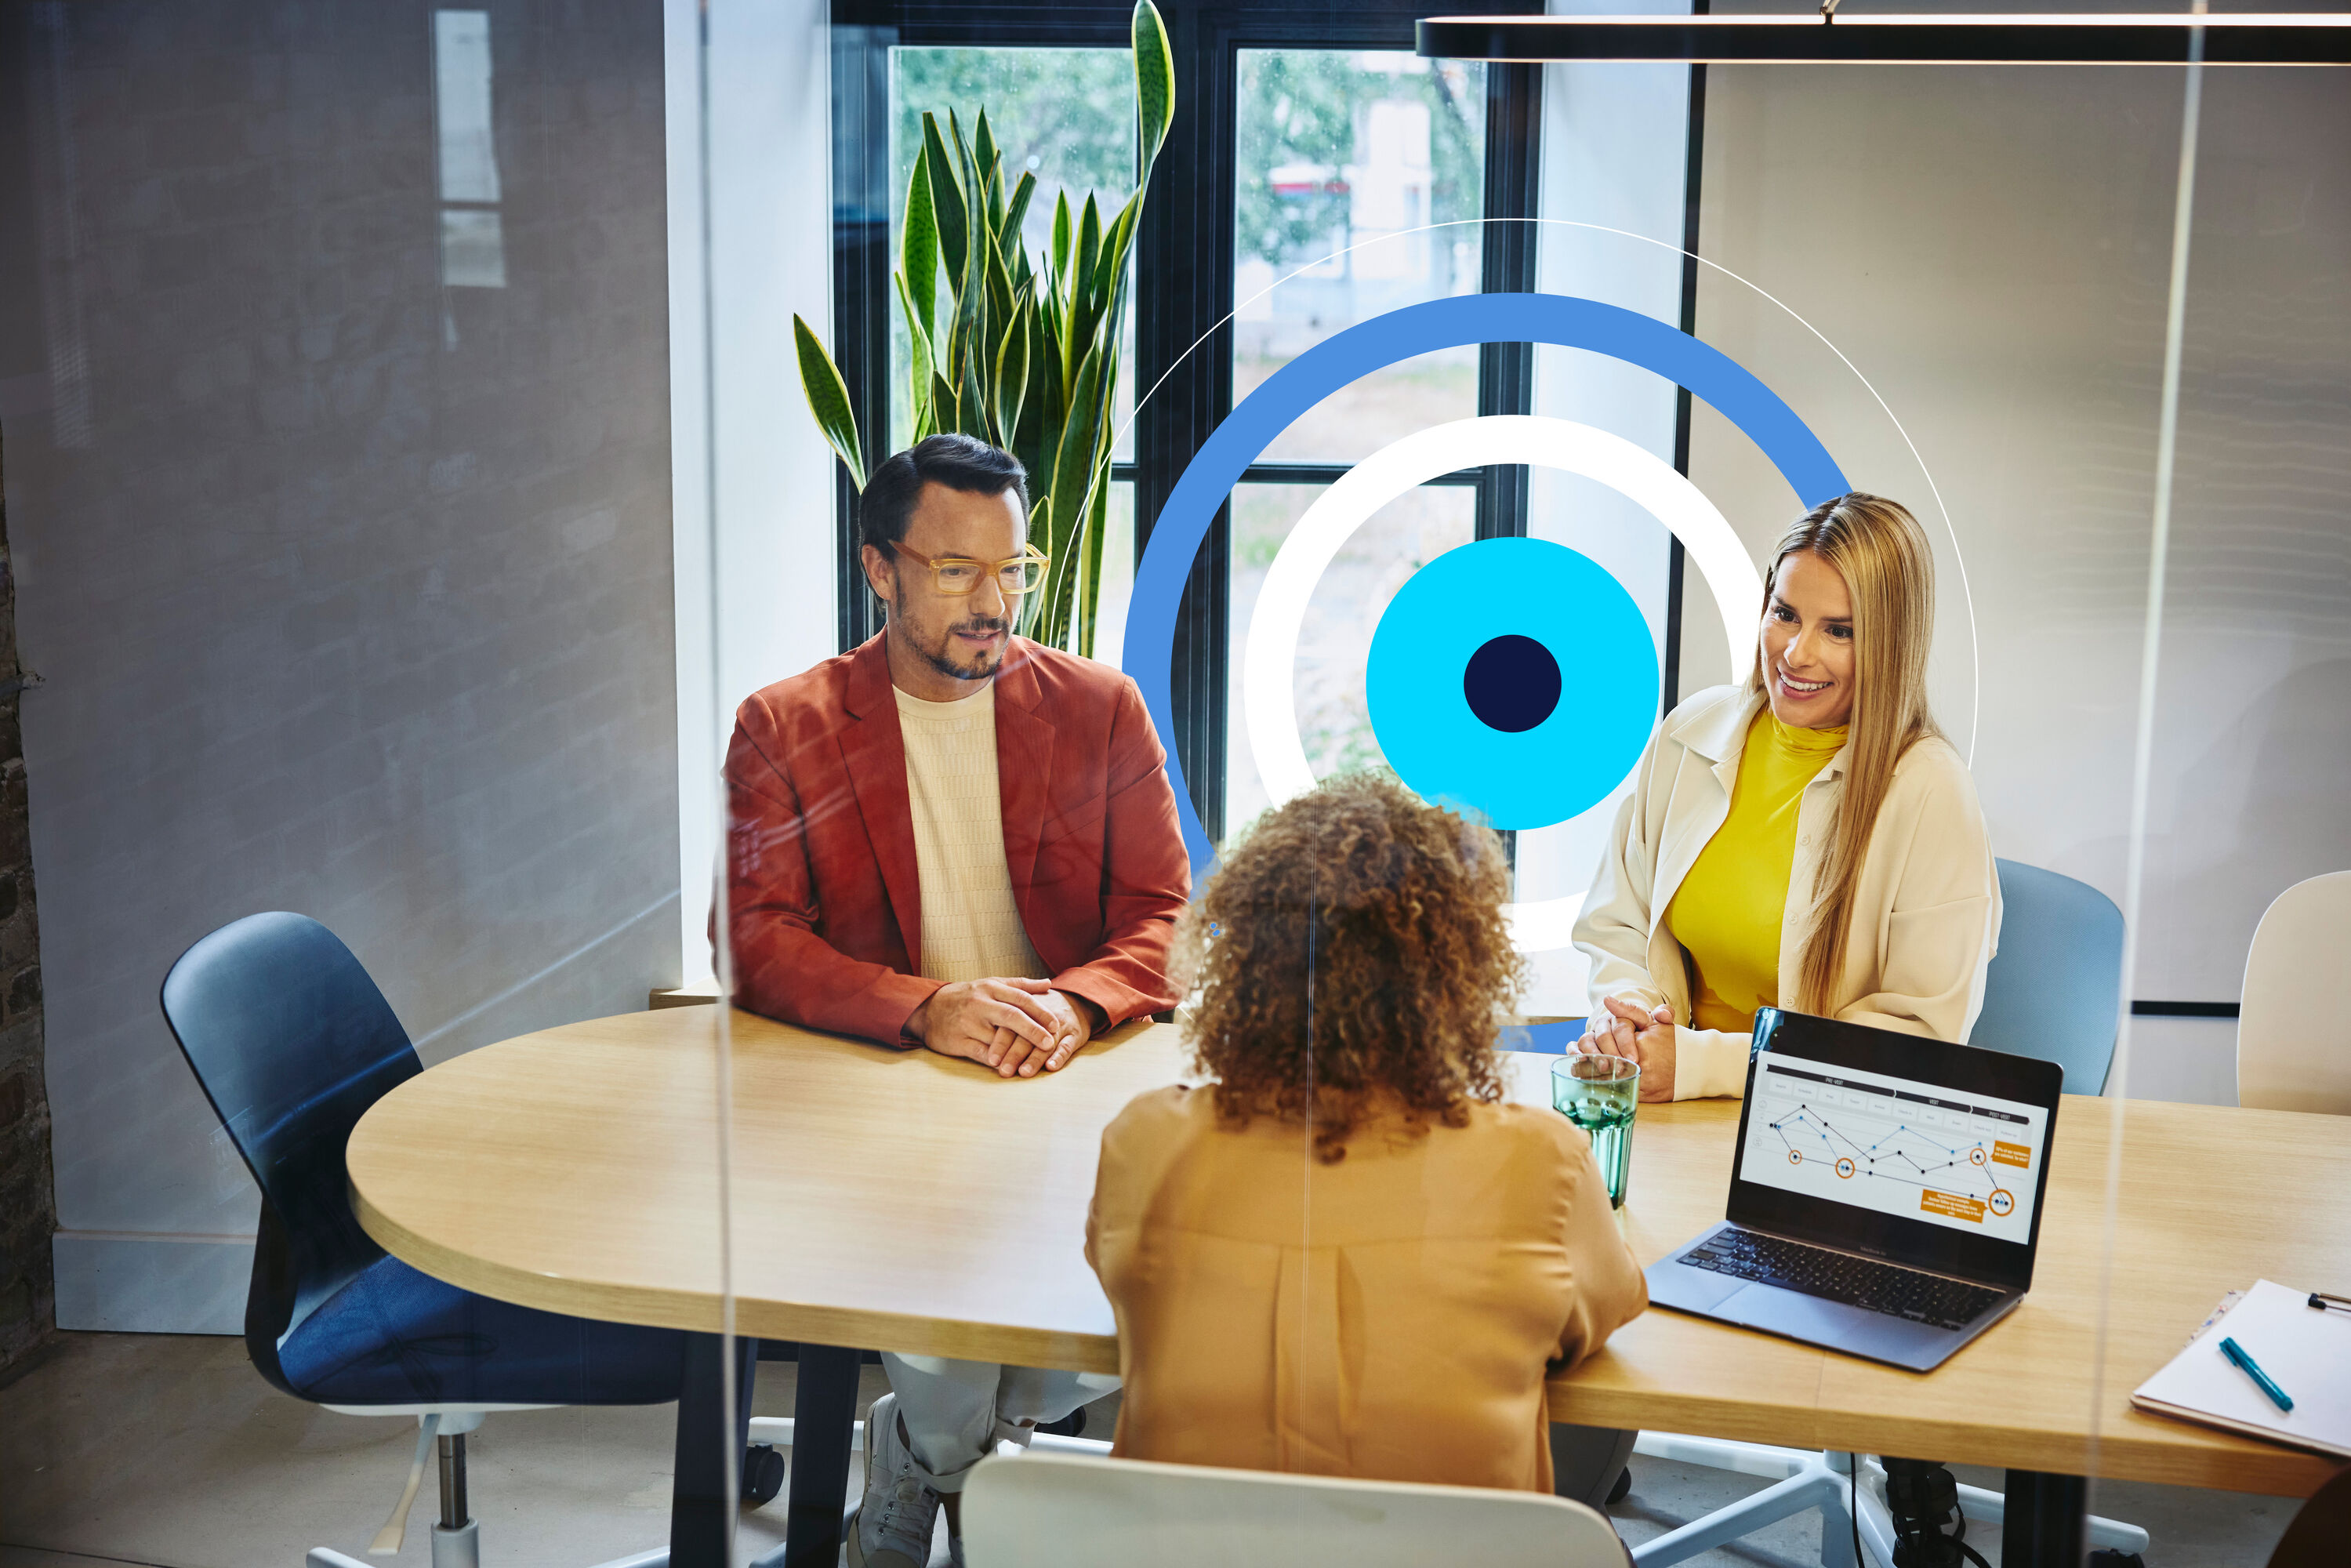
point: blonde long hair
(1879, 549)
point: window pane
(1335, 643)
(1117, 574)
(1342, 162)
(1066, 116)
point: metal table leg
(704, 1492)
(2042, 1524)
(824, 1412)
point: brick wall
(28, 1209)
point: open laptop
(1884, 1195)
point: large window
(1358, 180)
(1318, 173)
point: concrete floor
(170, 1450)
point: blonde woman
(1807, 841)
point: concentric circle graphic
(1505, 615)
(1559, 320)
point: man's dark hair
(962, 463)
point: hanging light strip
(1833, 38)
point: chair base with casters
(1824, 1481)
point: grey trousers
(1586, 1460)
(955, 1412)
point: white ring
(1539, 441)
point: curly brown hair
(1350, 957)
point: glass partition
(1441, 711)
(712, 1003)
(344, 646)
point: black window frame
(1184, 278)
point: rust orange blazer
(824, 904)
(1392, 1316)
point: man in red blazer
(826, 900)
(955, 838)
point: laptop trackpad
(1853, 1329)
(1795, 1314)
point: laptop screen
(1901, 1146)
(1916, 1150)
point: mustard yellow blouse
(1728, 912)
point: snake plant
(1022, 353)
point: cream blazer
(1926, 921)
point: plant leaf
(946, 201)
(986, 155)
(1032, 609)
(918, 251)
(1012, 371)
(945, 414)
(1074, 462)
(1115, 244)
(828, 397)
(1015, 213)
(1090, 238)
(1089, 583)
(971, 399)
(919, 375)
(1001, 303)
(1154, 85)
(1061, 251)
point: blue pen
(2245, 1363)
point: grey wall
(1991, 248)
(351, 590)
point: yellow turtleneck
(1728, 912)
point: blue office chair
(2054, 991)
(292, 1042)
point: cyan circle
(1530, 588)
(1565, 321)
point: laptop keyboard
(1862, 1282)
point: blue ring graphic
(1563, 320)
(1563, 601)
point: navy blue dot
(1512, 683)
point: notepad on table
(2307, 1352)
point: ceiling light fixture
(1831, 36)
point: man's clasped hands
(1018, 1026)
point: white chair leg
(458, 1548)
(1722, 1454)
(328, 1557)
(1817, 1486)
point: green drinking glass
(1600, 1094)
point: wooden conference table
(902, 1201)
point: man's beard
(941, 658)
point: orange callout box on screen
(1952, 1205)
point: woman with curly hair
(1345, 1254)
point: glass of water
(1599, 1094)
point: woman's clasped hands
(1643, 1034)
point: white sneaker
(895, 1521)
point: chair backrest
(1056, 1510)
(292, 1042)
(2053, 990)
(2293, 1046)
